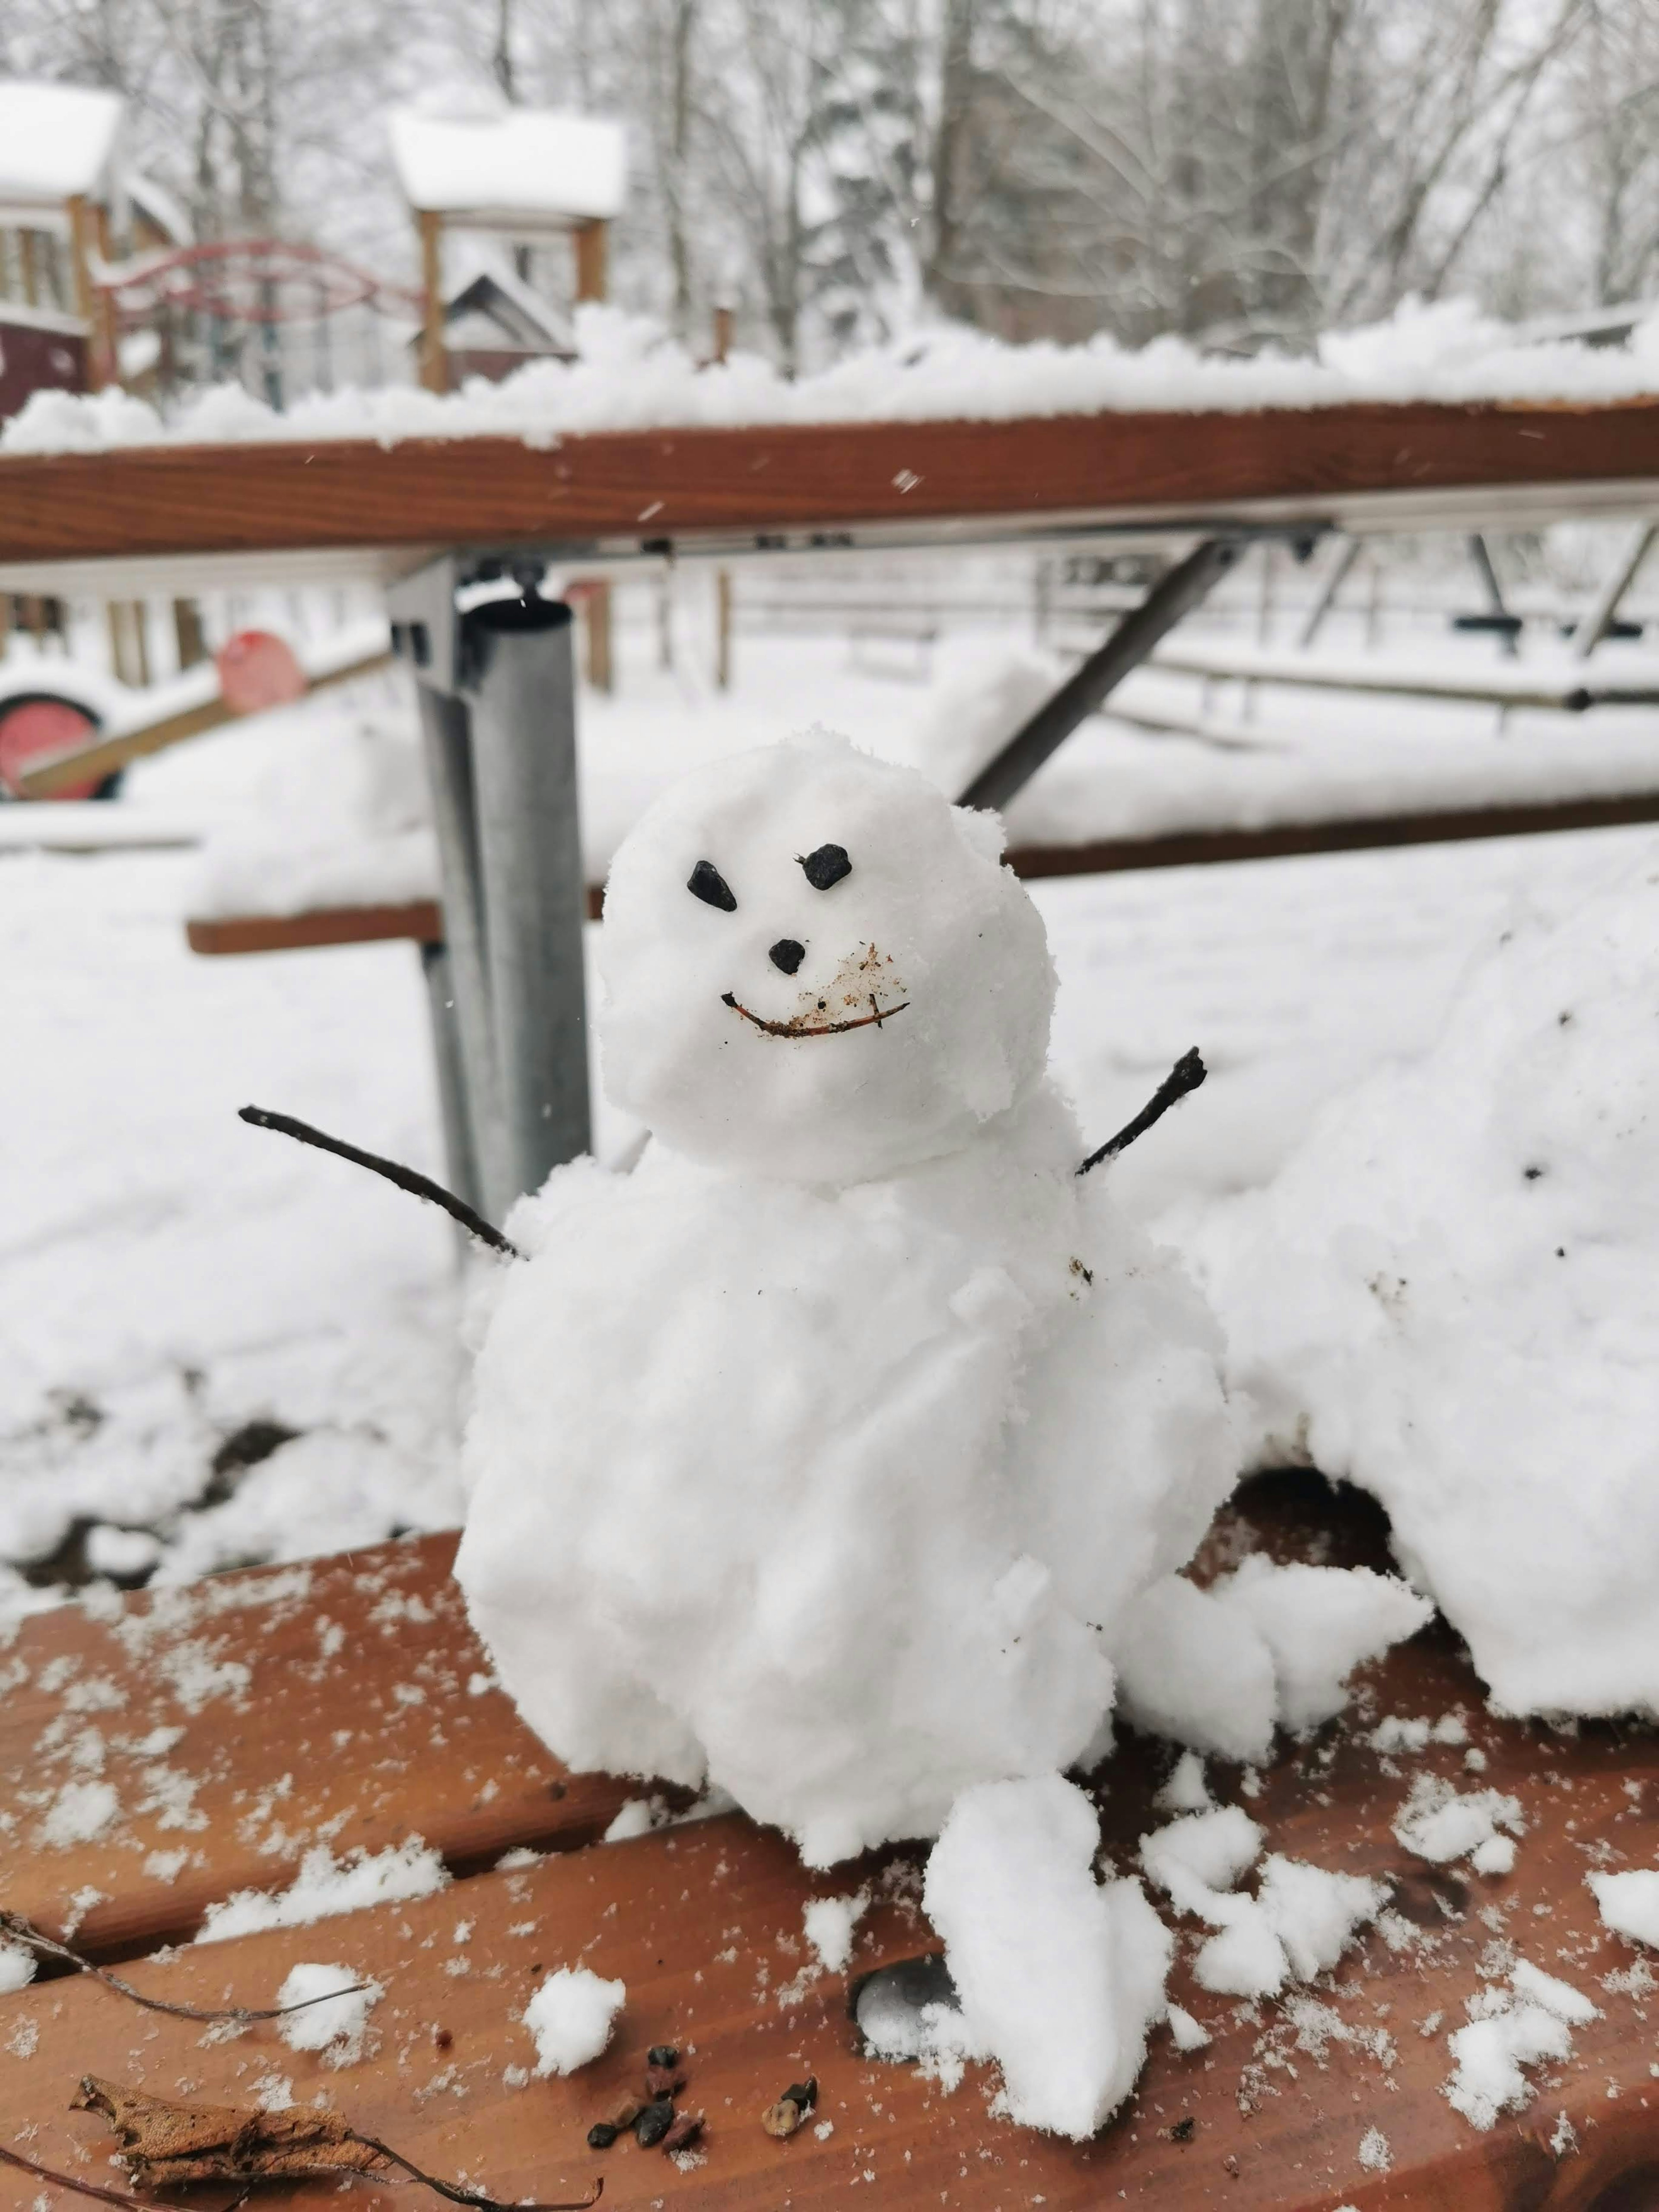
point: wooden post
(596, 628)
(187, 631)
(592, 276)
(104, 347)
(81, 247)
(722, 335)
(129, 645)
(723, 628)
(435, 358)
(25, 242)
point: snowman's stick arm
(1186, 1075)
(409, 1179)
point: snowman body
(818, 1458)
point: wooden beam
(621, 490)
(434, 357)
(593, 272)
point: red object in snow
(37, 726)
(258, 670)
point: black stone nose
(787, 954)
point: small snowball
(1629, 1903)
(336, 2012)
(1555, 1996)
(1319, 1623)
(1316, 1913)
(829, 1924)
(1374, 2153)
(123, 1552)
(1196, 1672)
(1185, 1790)
(1200, 1853)
(1495, 1856)
(1058, 1978)
(1186, 2033)
(571, 2017)
(17, 1965)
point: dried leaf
(163, 2144)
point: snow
(530, 162)
(1450, 1293)
(1059, 1978)
(631, 374)
(1518, 2027)
(1316, 1913)
(1204, 1853)
(17, 1966)
(1186, 2033)
(1440, 1825)
(79, 1813)
(337, 2003)
(999, 1401)
(1319, 1623)
(572, 2016)
(326, 1886)
(56, 141)
(830, 1921)
(1629, 1903)
(1185, 1790)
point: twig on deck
(124, 2197)
(474, 2198)
(25, 1931)
(1186, 1075)
(409, 1179)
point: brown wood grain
(224, 935)
(327, 1702)
(703, 1924)
(628, 488)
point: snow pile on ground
(340, 818)
(326, 1886)
(1264, 1646)
(17, 1966)
(1508, 2029)
(631, 374)
(1629, 1903)
(1450, 1295)
(1058, 1976)
(1298, 1925)
(990, 1404)
(1440, 1824)
(334, 2020)
(571, 2017)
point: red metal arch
(251, 280)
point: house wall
(32, 360)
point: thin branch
(24, 1931)
(474, 2198)
(797, 1029)
(124, 2197)
(409, 1179)
(1186, 1075)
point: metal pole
(458, 1155)
(1129, 644)
(521, 674)
(1488, 574)
(1327, 599)
(446, 738)
(1599, 620)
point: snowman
(820, 1458)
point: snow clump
(17, 1965)
(1058, 1976)
(571, 2017)
(1440, 1824)
(326, 1886)
(1629, 1903)
(1450, 1295)
(830, 1921)
(336, 2004)
(1508, 2029)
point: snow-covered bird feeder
(524, 174)
(58, 147)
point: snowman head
(816, 968)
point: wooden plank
(703, 1924)
(330, 1702)
(1190, 848)
(218, 935)
(88, 763)
(633, 489)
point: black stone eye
(706, 882)
(826, 867)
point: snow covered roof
(522, 168)
(154, 201)
(56, 141)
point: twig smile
(799, 1028)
